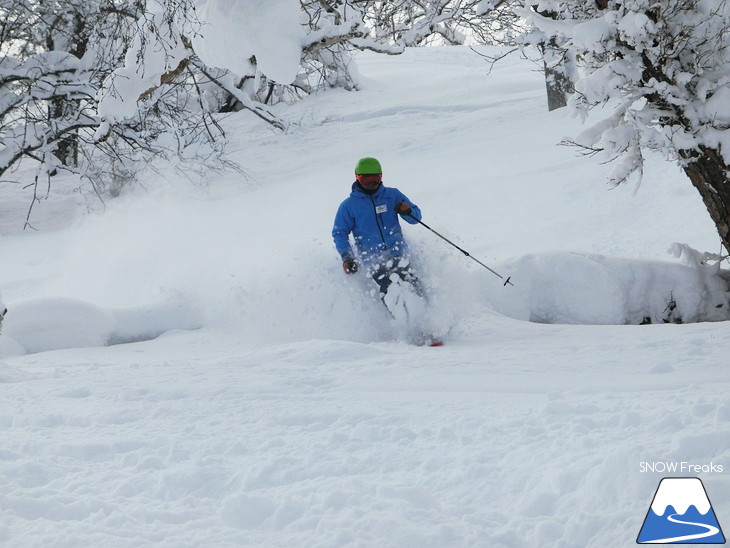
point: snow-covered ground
(192, 368)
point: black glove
(403, 208)
(349, 265)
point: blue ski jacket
(373, 222)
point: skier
(371, 214)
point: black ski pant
(400, 266)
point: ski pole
(507, 281)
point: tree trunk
(67, 149)
(556, 85)
(709, 174)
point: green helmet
(368, 166)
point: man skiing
(371, 214)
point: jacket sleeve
(415, 210)
(344, 223)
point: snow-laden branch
(377, 47)
(228, 83)
(664, 69)
(25, 140)
(331, 35)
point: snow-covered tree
(285, 50)
(100, 87)
(663, 70)
(329, 31)
(96, 81)
(96, 86)
(43, 81)
(421, 22)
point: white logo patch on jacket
(381, 209)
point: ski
(426, 340)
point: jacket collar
(359, 191)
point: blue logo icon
(680, 513)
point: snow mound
(43, 324)
(581, 288)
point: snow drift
(559, 288)
(580, 288)
(39, 325)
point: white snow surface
(192, 368)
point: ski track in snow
(277, 408)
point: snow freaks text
(675, 467)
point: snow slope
(192, 368)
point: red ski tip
(436, 343)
